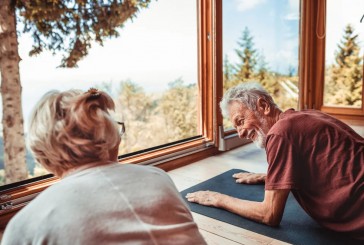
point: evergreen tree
(291, 71)
(247, 55)
(344, 86)
(262, 68)
(228, 73)
(179, 107)
(66, 26)
(228, 69)
(266, 78)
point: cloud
(294, 5)
(292, 16)
(243, 5)
(293, 10)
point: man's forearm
(248, 209)
(269, 211)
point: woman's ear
(263, 106)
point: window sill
(229, 139)
(167, 159)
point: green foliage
(156, 119)
(135, 109)
(247, 55)
(344, 77)
(262, 68)
(70, 26)
(228, 69)
(253, 67)
(134, 100)
(179, 108)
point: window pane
(344, 53)
(150, 71)
(260, 43)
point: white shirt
(110, 204)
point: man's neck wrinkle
(276, 116)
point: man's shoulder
(286, 122)
(293, 122)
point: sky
(339, 14)
(274, 26)
(157, 47)
(160, 45)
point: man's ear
(263, 106)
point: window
(260, 43)
(151, 71)
(344, 54)
(186, 73)
(185, 48)
(211, 34)
(331, 62)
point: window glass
(344, 53)
(150, 70)
(260, 43)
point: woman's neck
(85, 166)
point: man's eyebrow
(235, 119)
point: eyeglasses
(121, 128)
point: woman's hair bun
(93, 93)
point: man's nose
(243, 133)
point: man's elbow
(271, 219)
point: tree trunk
(12, 121)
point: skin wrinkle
(253, 125)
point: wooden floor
(247, 157)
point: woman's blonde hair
(72, 128)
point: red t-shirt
(321, 160)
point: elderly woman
(98, 200)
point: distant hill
(29, 158)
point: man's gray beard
(260, 140)
(261, 136)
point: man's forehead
(236, 108)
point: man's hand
(207, 198)
(249, 178)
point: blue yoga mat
(296, 226)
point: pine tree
(247, 55)
(228, 74)
(262, 68)
(266, 78)
(344, 86)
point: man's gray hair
(247, 93)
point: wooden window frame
(167, 158)
(312, 63)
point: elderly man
(315, 156)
